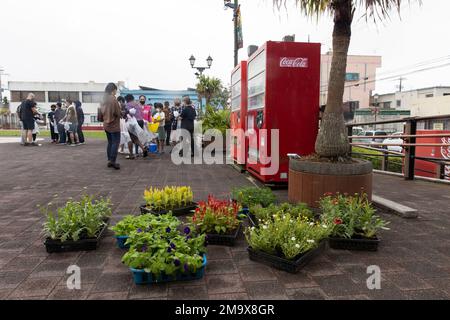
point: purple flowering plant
(167, 249)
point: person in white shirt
(160, 117)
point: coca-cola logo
(286, 62)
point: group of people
(134, 125)
(66, 122)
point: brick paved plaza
(414, 256)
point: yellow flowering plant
(168, 198)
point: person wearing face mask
(146, 109)
(160, 117)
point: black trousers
(80, 133)
(53, 134)
(168, 129)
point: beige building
(360, 79)
(406, 99)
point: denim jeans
(113, 145)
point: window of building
(446, 94)
(19, 96)
(352, 76)
(429, 95)
(94, 119)
(387, 105)
(399, 103)
(92, 97)
(57, 96)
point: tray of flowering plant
(353, 220)
(287, 243)
(258, 213)
(220, 220)
(166, 254)
(178, 200)
(147, 222)
(78, 226)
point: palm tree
(332, 141)
(209, 88)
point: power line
(416, 65)
(396, 76)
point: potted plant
(258, 214)
(165, 254)
(179, 200)
(78, 226)
(251, 196)
(130, 223)
(353, 220)
(219, 219)
(287, 243)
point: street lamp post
(235, 7)
(200, 70)
(209, 62)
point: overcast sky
(148, 43)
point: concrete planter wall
(309, 181)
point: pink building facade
(360, 80)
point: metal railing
(409, 145)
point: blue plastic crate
(121, 242)
(141, 277)
(153, 148)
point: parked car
(394, 141)
(375, 141)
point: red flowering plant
(350, 216)
(217, 216)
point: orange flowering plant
(351, 216)
(217, 216)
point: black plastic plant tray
(182, 211)
(291, 266)
(56, 246)
(355, 244)
(223, 240)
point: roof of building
(420, 89)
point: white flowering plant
(286, 236)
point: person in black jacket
(51, 120)
(80, 115)
(188, 116)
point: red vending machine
(283, 94)
(239, 113)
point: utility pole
(236, 41)
(400, 87)
(235, 7)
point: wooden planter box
(309, 181)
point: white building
(406, 99)
(89, 94)
(426, 102)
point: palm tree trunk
(332, 141)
